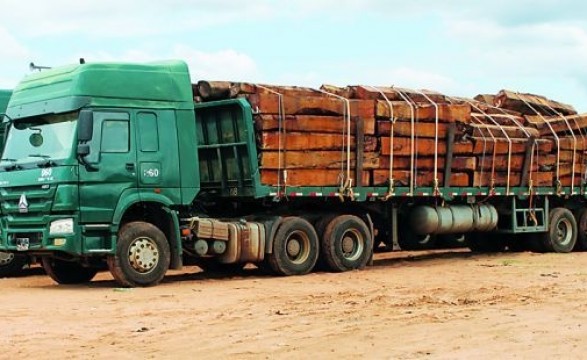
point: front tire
(295, 247)
(11, 264)
(347, 244)
(67, 272)
(142, 255)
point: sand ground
(408, 305)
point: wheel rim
(564, 232)
(143, 254)
(6, 258)
(297, 247)
(352, 244)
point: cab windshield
(45, 137)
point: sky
(457, 47)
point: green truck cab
(99, 153)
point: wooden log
(215, 90)
(392, 94)
(566, 156)
(423, 178)
(577, 123)
(538, 178)
(502, 146)
(519, 102)
(311, 105)
(567, 180)
(485, 98)
(423, 146)
(336, 90)
(422, 129)
(293, 91)
(426, 112)
(313, 123)
(488, 129)
(459, 163)
(309, 177)
(516, 162)
(501, 119)
(311, 141)
(568, 143)
(314, 160)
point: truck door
(113, 157)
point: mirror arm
(87, 165)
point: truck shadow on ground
(194, 273)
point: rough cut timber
(313, 123)
(306, 141)
(529, 104)
(558, 124)
(425, 112)
(306, 136)
(315, 160)
(311, 105)
(423, 178)
(427, 130)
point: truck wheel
(483, 242)
(295, 247)
(11, 264)
(346, 244)
(581, 216)
(561, 236)
(142, 255)
(67, 272)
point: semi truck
(10, 263)
(116, 164)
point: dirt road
(434, 305)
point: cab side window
(115, 136)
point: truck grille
(26, 201)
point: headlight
(62, 227)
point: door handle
(130, 166)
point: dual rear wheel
(341, 242)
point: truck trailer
(133, 167)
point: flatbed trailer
(143, 179)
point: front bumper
(35, 237)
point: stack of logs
(377, 136)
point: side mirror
(85, 126)
(83, 150)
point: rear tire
(142, 255)
(11, 264)
(295, 247)
(67, 272)
(581, 217)
(346, 244)
(561, 236)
